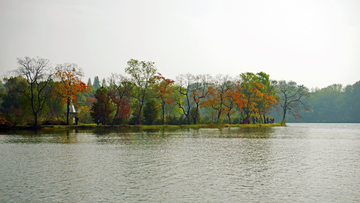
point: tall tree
(103, 84)
(251, 90)
(292, 98)
(184, 90)
(11, 100)
(89, 82)
(102, 108)
(217, 94)
(142, 74)
(38, 73)
(119, 92)
(163, 89)
(151, 111)
(199, 93)
(233, 100)
(267, 99)
(70, 84)
(96, 84)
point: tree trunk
(283, 120)
(163, 114)
(36, 120)
(117, 112)
(104, 117)
(67, 111)
(139, 115)
(219, 114)
(196, 113)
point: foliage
(119, 92)
(151, 111)
(142, 74)
(96, 84)
(195, 115)
(217, 94)
(251, 90)
(84, 115)
(163, 90)
(4, 124)
(101, 109)
(69, 85)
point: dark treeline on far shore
(38, 94)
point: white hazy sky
(312, 42)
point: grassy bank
(93, 126)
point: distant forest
(333, 104)
(39, 94)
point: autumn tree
(119, 92)
(38, 73)
(292, 98)
(142, 73)
(102, 108)
(251, 90)
(69, 76)
(233, 100)
(267, 99)
(163, 90)
(217, 94)
(184, 91)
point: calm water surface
(298, 163)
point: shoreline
(125, 126)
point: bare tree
(199, 91)
(185, 82)
(38, 73)
(293, 97)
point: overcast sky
(315, 43)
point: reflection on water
(298, 163)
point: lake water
(297, 163)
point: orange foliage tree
(163, 92)
(233, 100)
(268, 97)
(217, 94)
(69, 84)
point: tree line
(40, 93)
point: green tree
(96, 84)
(151, 111)
(11, 105)
(142, 73)
(102, 108)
